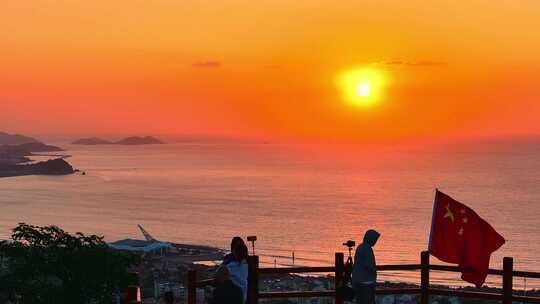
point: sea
(299, 200)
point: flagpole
(433, 218)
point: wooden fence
(507, 273)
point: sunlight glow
(363, 89)
(363, 86)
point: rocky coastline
(56, 166)
(16, 152)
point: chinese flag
(459, 236)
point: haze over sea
(293, 197)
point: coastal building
(142, 246)
(148, 245)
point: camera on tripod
(345, 288)
(350, 244)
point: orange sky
(267, 69)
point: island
(15, 153)
(133, 140)
(15, 139)
(136, 140)
(92, 141)
(20, 144)
(56, 166)
(39, 147)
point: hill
(92, 141)
(15, 139)
(136, 140)
(133, 140)
(13, 155)
(39, 147)
(50, 167)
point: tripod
(345, 288)
(349, 265)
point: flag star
(461, 231)
(462, 211)
(465, 220)
(449, 213)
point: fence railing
(506, 297)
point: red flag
(459, 236)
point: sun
(363, 86)
(363, 89)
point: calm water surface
(291, 197)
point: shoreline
(54, 167)
(18, 160)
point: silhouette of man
(364, 274)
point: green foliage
(48, 265)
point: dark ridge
(92, 141)
(133, 140)
(39, 147)
(15, 139)
(50, 167)
(137, 140)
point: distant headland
(15, 139)
(56, 166)
(15, 153)
(92, 141)
(133, 140)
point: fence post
(340, 267)
(508, 269)
(132, 294)
(192, 287)
(253, 279)
(424, 277)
